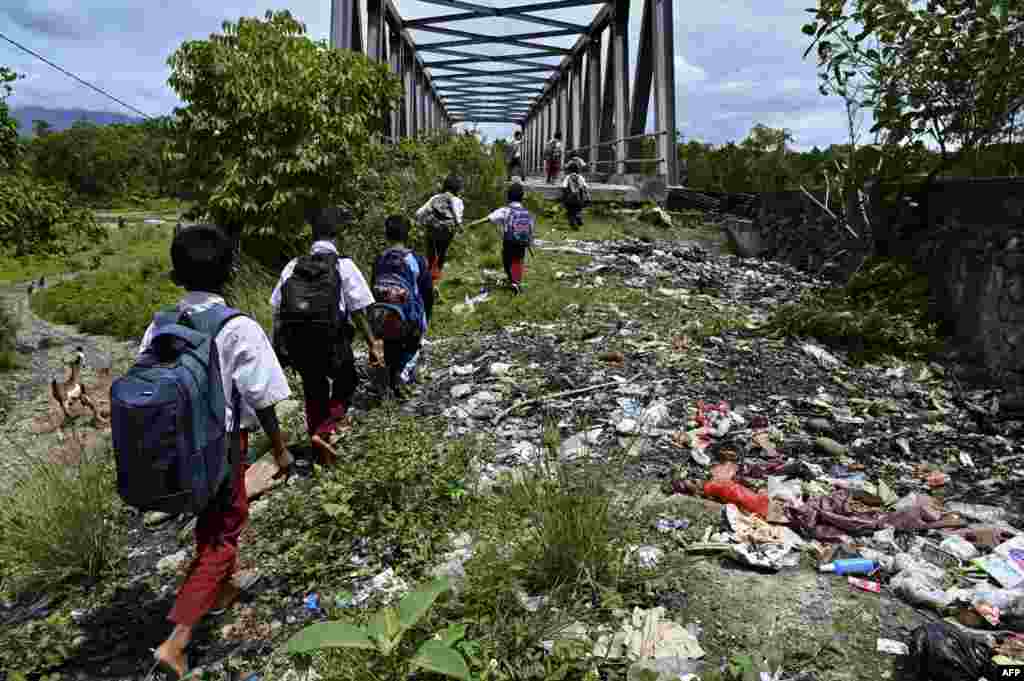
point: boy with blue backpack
(516, 224)
(206, 375)
(402, 287)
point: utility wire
(71, 75)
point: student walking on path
(441, 217)
(319, 306)
(243, 375)
(575, 192)
(516, 224)
(405, 302)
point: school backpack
(171, 444)
(398, 312)
(312, 326)
(577, 192)
(519, 226)
(440, 219)
(552, 150)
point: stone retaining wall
(968, 234)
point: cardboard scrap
(260, 476)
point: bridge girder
(599, 120)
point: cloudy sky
(738, 62)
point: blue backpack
(519, 226)
(398, 311)
(167, 417)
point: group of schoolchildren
(207, 375)
(575, 190)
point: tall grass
(58, 515)
(575, 533)
(10, 321)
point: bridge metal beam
(587, 100)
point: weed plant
(883, 310)
(58, 515)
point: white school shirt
(355, 294)
(583, 180)
(247, 361)
(499, 216)
(458, 207)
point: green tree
(946, 71)
(9, 147)
(275, 122)
(41, 128)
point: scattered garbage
(941, 652)
(647, 636)
(850, 566)
(864, 584)
(887, 645)
(312, 602)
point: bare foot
(172, 658)
(328, 455)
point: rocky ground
(624, 384)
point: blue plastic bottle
(850, 566)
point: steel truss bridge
(450, 80)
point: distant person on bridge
(515, 156)
(441, 216)
(553, 157)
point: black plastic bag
(941, 652)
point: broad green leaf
(416, 603)
(329, 635)
(384, 627)
(434, 656)
(453, 634)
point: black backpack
(314, 331)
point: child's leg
(442, 254)
(431, 249)
(317, 392)
(506, 259)
(516, 256)
(217, 532)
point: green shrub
(883, 310)
(10, 322)
(37, 217)
(116, 302)
(58, 515)
(397, 487)
(121, 302)
(575, 533)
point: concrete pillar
(342, 23)
(620, 95)
(398, 113)
(665, 89)
(593, 103)
(375, 29)
(411, 83)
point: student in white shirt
(553, 156)
(202, 257)
(575, 192)
(328, 372)
(442, 218)
(515, 160)
(513, 253)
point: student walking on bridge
(553, 157)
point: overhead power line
(71, 75)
